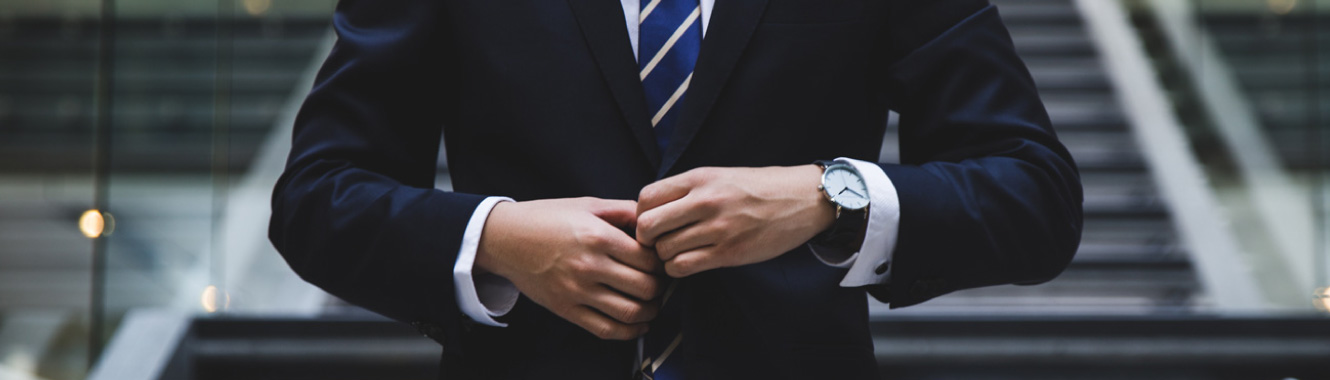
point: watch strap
(848, 230)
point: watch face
(845, 187)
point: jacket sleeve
(355, 211)
(988, 194)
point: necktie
(660, 350)
(669, 39)
(670, 36)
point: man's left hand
(710, 218)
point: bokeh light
(214, 299)
(257, 7)
(92, 224)
(1281, 7)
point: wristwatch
(845, 188)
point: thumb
(619, 213)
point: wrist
(823, 212)
(491, 240)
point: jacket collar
(732, 24)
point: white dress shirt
(485, 296)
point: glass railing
(128, 130)
(1276, 55)
(1247, 81)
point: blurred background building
(139, 141)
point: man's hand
(571, 256)
(709, 218)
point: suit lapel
(732, 24)
(606, 34)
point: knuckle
(647, 193)
(582, 234)
(650, 288)
(581, 265)
(596, 241)
(675, 269)
(710, 202)
(722, 225)
(606, 331)
(630, 313)
(646, 222)
(664, 246)
(704, 173)
(569, 288)
(686, 266)
(583, 202)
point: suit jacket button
(882, 268)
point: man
(660, 154)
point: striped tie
(670, 36)
(660, 347)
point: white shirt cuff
(871, 265)
(483, 296)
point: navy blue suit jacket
(541, 99)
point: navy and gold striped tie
(661, 359)
(670, 36)
(669, 39)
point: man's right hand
(573, 257)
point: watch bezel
(837, 165)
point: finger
(621, 308)
(629, 281)
(631, 253)
(666, 190)
(686, 239)
(619, 213)
(669, 217)
(604, 327)
(626, 250)
(693, 262)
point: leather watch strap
(847, 232)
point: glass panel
(199, 88)
(1246, 79)
(1270, 51)
(49, 71)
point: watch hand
(856, 193)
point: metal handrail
(1222, 266)
(1276, 200)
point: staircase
(1131, 261)
(169, 100)
(164, 158)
